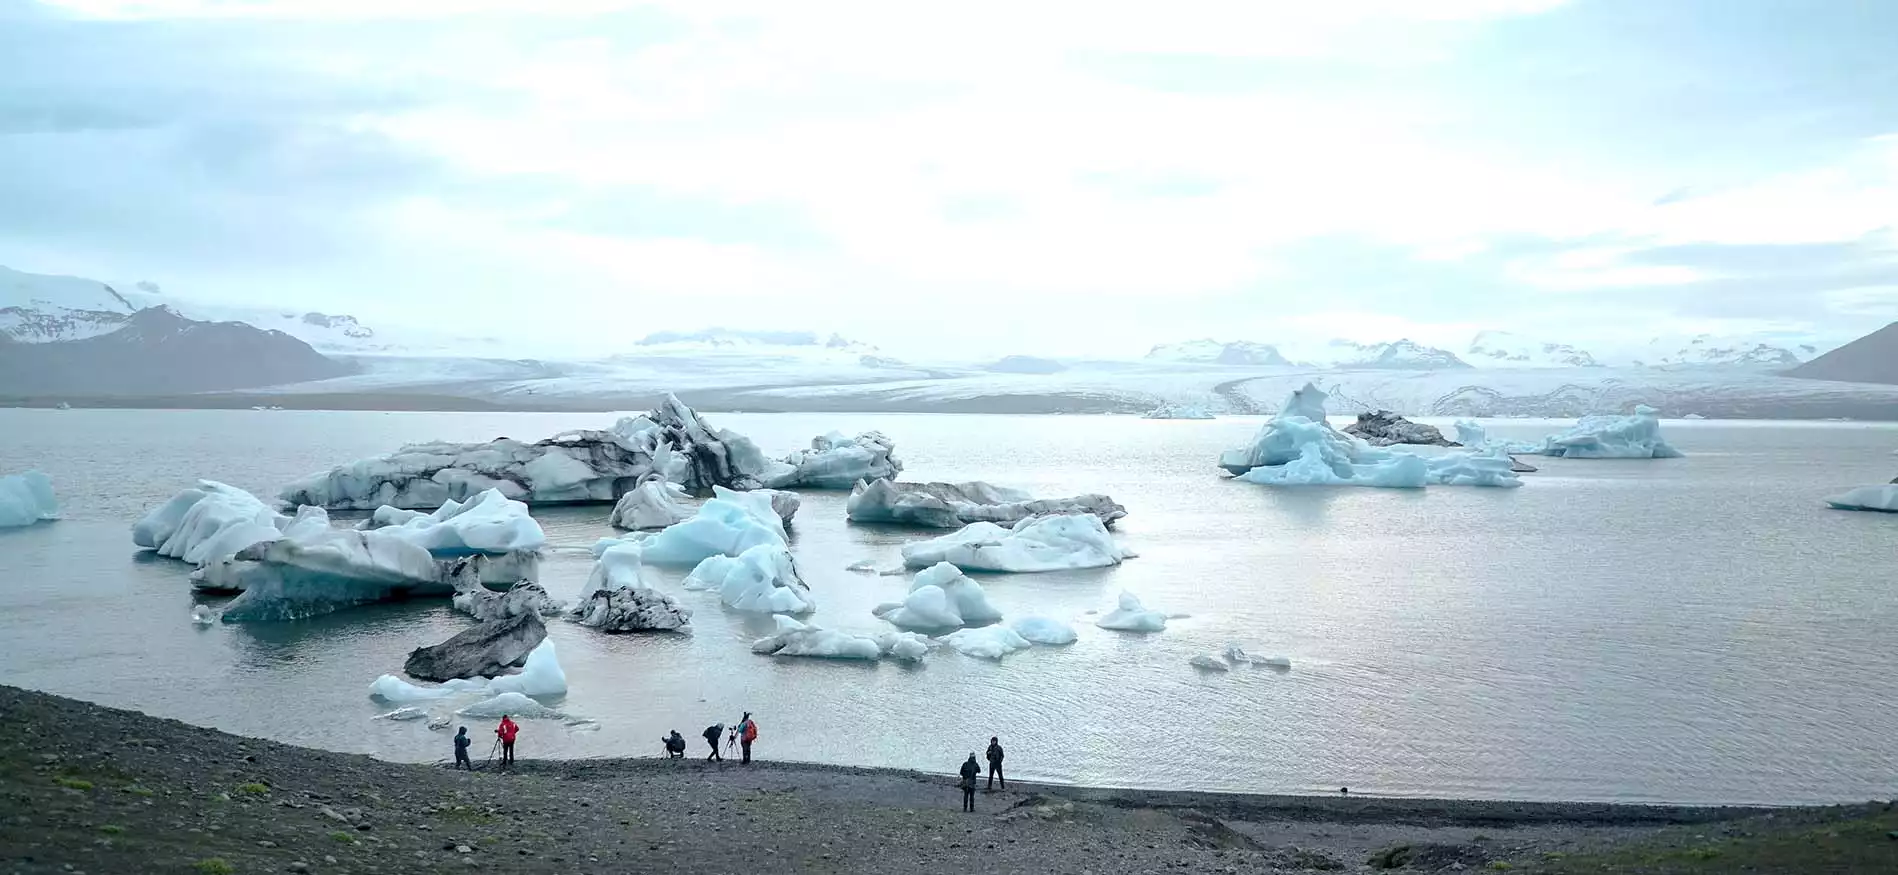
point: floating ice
(793, 638)
(1383, 428)
(1877, 498)
(541, 676)
(617, 599)
(655, 504)
(1472, 434)
(509, 705)
(487, 523)
(26, 499)
(1238, 656)
(208, 522)
(318, 572)
(728, 525)
(1208, 663)
(203, 615)
(404, 714)
(954, 505)
(941, 597)
(904, 646)
(485, 649)
(1299, 448)
(577, 466)
(1132, 616)
(1044, 630)
(1613, 437)
(988, 642)
(1170, 410)
(390, 688)
(1047, 543)
(837, 462)
(763, 578)
(524, 597)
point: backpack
(751, 730)
(713, 731)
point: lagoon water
(1692, 630)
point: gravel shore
(88, 789)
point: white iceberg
(837, 462)
(987, 642)
(1044, 630)
(1048, 543)
(672, 442)
(1169, 410)
(540, 676)
(941, 597)
(654, 504)
(1208, 663)
(954, 505)
(617, 599)
(209, 522)
(1472, 434)
(26, 499)
(1613, 437)
(390, 688)
(763, 579)
(1298, 447)
(323, 571)
(509, 705)
(793, 638)
(728, 525)
(1875, 498)
(904, 646)
(488, 523)
(1132, 616)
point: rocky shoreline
(89, 789)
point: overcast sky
(1028, 176)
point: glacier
(1613, 437)
(617, 599)
(988, 642)
(1044, 630)
(1298, 447)
(653, 504)
(1877, 498)
(1169, 410)
(762, 578)
(1045, 543)
(940, 597)
(1132, 616)
(208, 522)
(26, 499)
(672, 441)
(954, 505)
(837, 462)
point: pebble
(463, 849)
(266, 843)
(299, 866)
(329, 859)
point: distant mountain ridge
(1869, 359)
(1503, 349)
(155, 351)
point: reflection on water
(1692, 630)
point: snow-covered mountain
(1399, 355)
(156, 351)
(1208, 351)
(1707, 349)
(1501, 349)
(727, 338)
(50, 309)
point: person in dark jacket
(969, 771)
(995, 763)
(712, 733)
(461, 750)
(675, 745)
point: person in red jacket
(747, 733)
(507, 731)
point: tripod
(492, 749)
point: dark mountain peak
(157, 351)
(1869, 359)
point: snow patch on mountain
(1399, 355)
(728, 338)
(1501, 349)
(1209, 351)
(1715, 350)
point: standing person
(747, 733)
(969, 771)
(506, 732)
(995, 763)
(711, 734)
(461, 750)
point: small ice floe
(1209, 663)
(988, 642)
(1044, 630)
(202, 615)
(404, 714)
(1132, 616)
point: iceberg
(988, 642)
(525, 597)
(904, 646)
(1044, 630)
(784, 504)
(1237, 655)
(941, 597)
(793, 638)
(202, 615)
(323, 571)
(489, 524)
(1613, 437)
(541, 676)
(1046, 543)
(617, 599)
(26, 499)
(485, 650)
(954, 505)
(1208, 663)
(654, 504)
(1170, 410)
(1298, 447)
(1875, 498)
(837, 462)
(390, 688)
(209, 522)
(728, 525)
(1383, 428)
(764, 579)
(672, 441)
(1472, 434)
(509, 705)
(1132, 616)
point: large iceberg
(1878, 498)
(654, 504)
(617, 599)
(484, 650)
(489, 524)
(1046, 543)
(576, 466)
(988, 642)
(318, 572)
(541, 676)
(941, 597)
(26, 499)
(1132, 616)
(727, 525)
(1613, 437)
(208, 522)
(837, 462)
(763, 578)
(1298, 447)
(954, 505)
